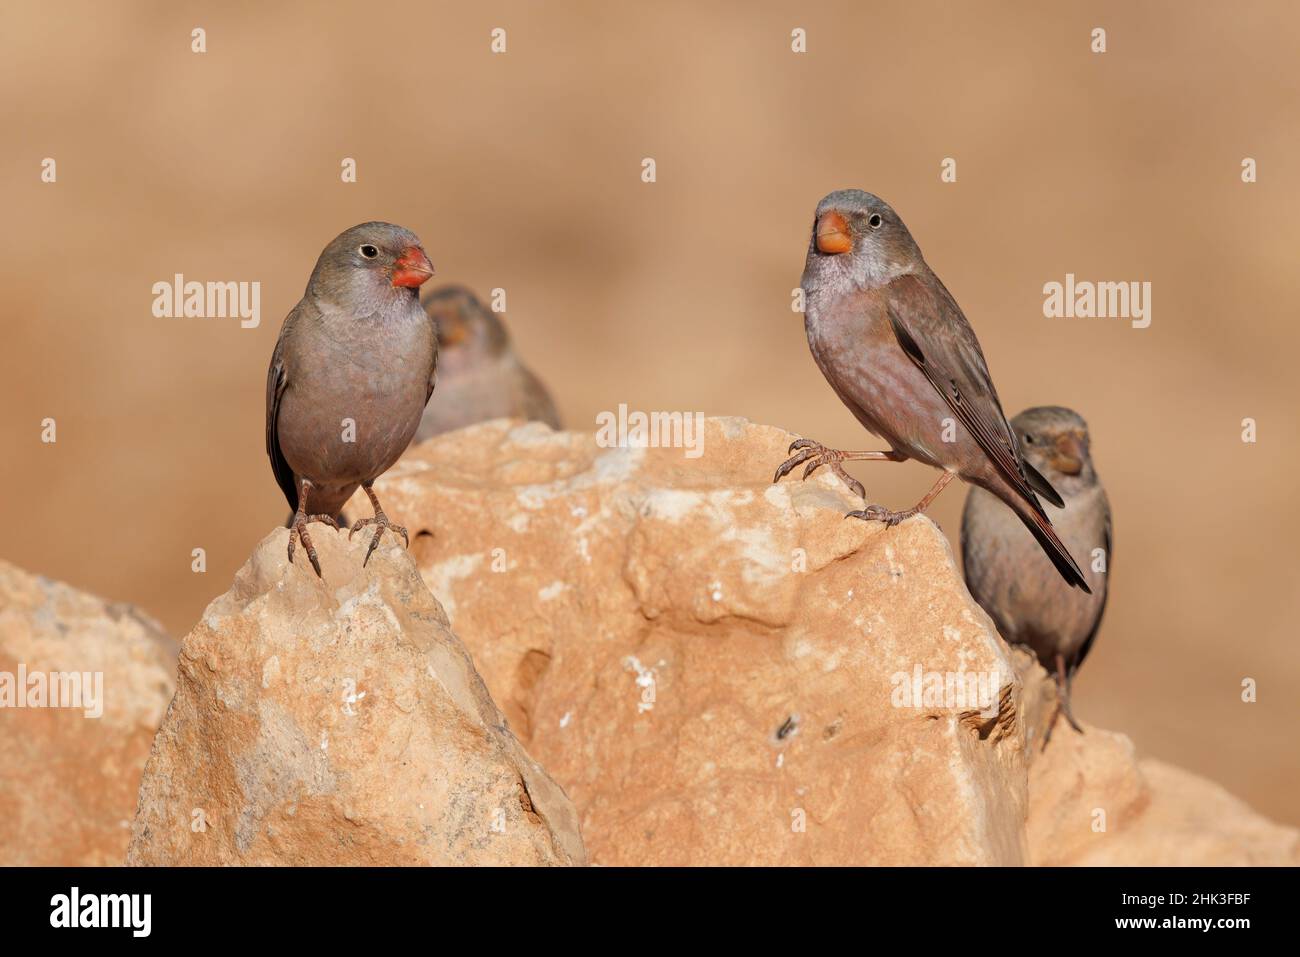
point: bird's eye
(874, 221)
(1029, 438)
(369, 251)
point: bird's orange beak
(833, 234)
(1067, 455)
(412, 268)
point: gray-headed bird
(1005, 571)
(894, 345)
(349, 378)
(479, 375)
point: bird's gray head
(465, 326)
(857, 237)
(370, 264)
(1055, 441)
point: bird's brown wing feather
(924, 312)
(1038, 482)
(277, 380)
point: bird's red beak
(833, 234)
(412, 268)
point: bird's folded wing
(1106, 543)
(937, 338)
(276, 380)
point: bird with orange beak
(1007, 574)
(480, 374)
(350, 376)
(896, 348)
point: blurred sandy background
(522, 171)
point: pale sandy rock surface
(712, 667)
(68, 781)
(1094, 801)
(704, 662)
(339, 722)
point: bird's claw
(1069, 716)
(1062, 700)
(299, 530)
(789, 464)
(381, 522)
(878, 513)
(1061, 710)
(816, 455)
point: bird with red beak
(894, 345)
(350, 376)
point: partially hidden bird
(349, 378)
(480, 376)
(896, 348)
(1005, 570)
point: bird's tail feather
(1041, 528)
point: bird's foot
(1062, 701)
(813, 455)
(878, 513)
(299, 530)
(381, 522)
(1061, 709)
(1064, 708)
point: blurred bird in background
(479, 375)
(1006, 572)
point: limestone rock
(339, 722)
(68, 779)
(1093, 801)
(709, 663)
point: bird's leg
(1063, 681)
(816, 455)
(298, 526)
(878, 513)
(380, 521)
